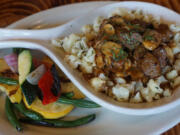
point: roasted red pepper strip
(45, 84)
(49, 86)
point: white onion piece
(34, 77)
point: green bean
(28, 113)
(78, 102)
(61, 123)
(11, 115)
(68, 94)
(8, 81)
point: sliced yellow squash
(50, 111)
(17, 97)
(12, 91)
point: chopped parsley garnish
(113, 37)
(120, 56)
(150, 38)
(136, 26)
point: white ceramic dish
(107, 122)
(74, 26)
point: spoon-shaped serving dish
(39, 40)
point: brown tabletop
(13, 10)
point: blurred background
(13, 10)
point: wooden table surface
(13, 10)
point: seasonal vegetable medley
(130, 56)
(38, 93)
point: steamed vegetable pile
(38, 93)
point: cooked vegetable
(28, 113)
(5, 70)
(24, 65)
(16, 97)
(12, 91)
(56, 87)
(47, 62)
(70, 87)
(9, 81)
(49, 111)
(11, 115)
(29, 91)
(18, 50)
(4, 67)
(78, 102)
(36, 62)
(50, 86)
(34, 77)
(61, 123)
(68, 95)
(12, 61)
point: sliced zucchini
(18, 50)
(24, 65)
(29, 91)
